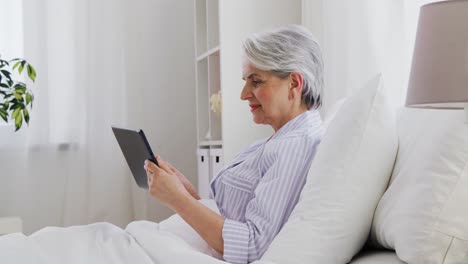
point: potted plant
(15, 97)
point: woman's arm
(165, 186)
(208, 224)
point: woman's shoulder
(302, 135)
(250, 149)
(292, 147)
(307, 126)
(297, 150)
(295, 141)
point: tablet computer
(136, 150)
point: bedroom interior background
(59, 172)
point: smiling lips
(253, 107)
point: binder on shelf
(203, 172)
(216, 161)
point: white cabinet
(220, 27)
(210, 162)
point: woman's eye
(256, 83)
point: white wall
(160, 53)
(360, 39)
(237, 19)
(312, 17)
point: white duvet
(142, 242)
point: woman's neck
(290, 117)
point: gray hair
(285, 50)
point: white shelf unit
(208, 82)
(207, 65)
(220, 27)
(207, 25)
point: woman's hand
(164, 184)
(188, 186)
(181, 177)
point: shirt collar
(309, 119)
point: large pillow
(331, 113)
(424, 213)
(347, 178)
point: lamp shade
(439, 71)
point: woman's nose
(245, 93)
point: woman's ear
(295, 85)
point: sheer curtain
(66, 168)
(362, 38)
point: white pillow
(424, 213)
(348, 176)
(331, 113)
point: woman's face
(272, 100)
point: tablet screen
(136, 150)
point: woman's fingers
(163, 165)
(169, 165)
(173, 169)
(148, 171)
(149, 179)
(151, 166)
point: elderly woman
(256, 193)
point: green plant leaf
(17, 104)
(4, 85)
(31, 72)
(29, 99)
(6, 74)
(17, 95)
(16, 65)
(4, 115)
(16, 112)
(26, 116)
(18, 121)
(20, 88)
(5, 105)
(21, 67)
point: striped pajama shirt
(257, 192)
